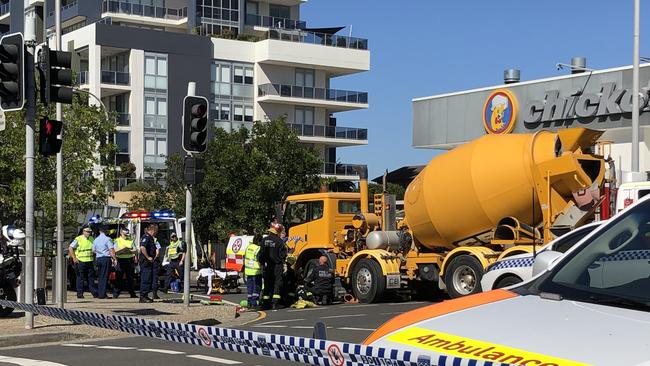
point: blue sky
(426, 47)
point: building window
(252, 7)
(280, 11)
(155, 110)
(218, 17)
(304, 115)
(232, 94)
(121, 140)
(304, 77)
(155, 72)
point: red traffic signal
(49, 141)
(195, 124)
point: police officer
(320, 280)
(148, 254)
(176, 258)
(253, 271)
(81, 252)
(125, 251)
(273, 257)
(104, 257)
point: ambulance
(589, 306)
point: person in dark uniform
(290, 282)
(148, 254)
(274, 253)
(320, 282)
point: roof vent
(511, 76)
(578, 65)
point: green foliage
(392, 188)
(165, 191)
(85, 145)
(247, 173)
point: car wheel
(463, 276)
(508, 280)
(9, 294)
(368, 281)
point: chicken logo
(500, 112)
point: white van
(628, 193)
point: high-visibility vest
(124, 243)
(253, 266)
(172, 250)
(84, 250)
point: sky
(427, 47)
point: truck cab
(311, 221)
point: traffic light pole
(191, 91)
(60, 258)
(30, 119)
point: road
(345, 322)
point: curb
(34, 338)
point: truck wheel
(9, 293)
(508, 280)
(368, 282)
(463, 276)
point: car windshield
(614, 266)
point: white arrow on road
(28, 362)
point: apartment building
(254, 60)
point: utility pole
(635, 90)
(60, 258)
(30, 96)
(191, 91)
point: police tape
(283, 347)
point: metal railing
(5, 8)
(122, 7)
(63, 8)
(115, 77)
(122, 119)
(82, 77)
(334, 132)
(347, 170)
(308, 92)
(274, 22)
(324, 39)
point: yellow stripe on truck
(473, 349)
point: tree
(247, 173)
(165, 191)
(86, 183)
(392, 188)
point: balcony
(82, 78)
(5, 9)
(65, 7)
(122, 119)
(323, 39)
(154, 14)
(274, 22)
(342, 171)
(115, 77)
(333, 99)
(332, 135)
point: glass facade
(231, 94)
(155, 110)
(218, 17)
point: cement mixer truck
(493, 197)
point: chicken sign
(500, 112)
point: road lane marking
(353, 328)
(305, 327)
(280, 321)
(79, 345)
(165, 351)
(269, 326)
(28, 361)
(343, 316)
(215, 359)
(308, 309)
(116, 347)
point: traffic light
(194, 170)
(12, 72)
(195, 124)
(49, 141)
(57, 76)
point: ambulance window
(349, 207)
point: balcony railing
(346, 170)
(123, 119)
(319, 38)
(122, 7)
(82, 77)
(334, 132)
(5, 8)
(293, 91)
(274, 22)
(63, 8)
(115, 77)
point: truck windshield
(613, 268)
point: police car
(590, 306)
(518, 268)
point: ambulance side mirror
(544, 260)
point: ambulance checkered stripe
(627, 255)
(299, 349)
(514, 263)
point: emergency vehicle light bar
(147, 214)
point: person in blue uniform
(148, 254)
(104, 250)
